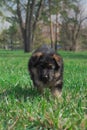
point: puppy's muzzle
(45, 78)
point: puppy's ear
(57, 59)
(38, 54)
(35, 59)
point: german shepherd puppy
(46, 70)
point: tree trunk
(51, 34)
(24, 28)
(51, 26)
(56, 33)
(28, 28)
(26, 43)
(73, 46)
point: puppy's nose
(45, 78)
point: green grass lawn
(22, 108)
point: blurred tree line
(34, 22)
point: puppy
(46, 70)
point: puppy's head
(46, 65)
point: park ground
(23, 108)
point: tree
(26, 13)
(73, 17)
(11, 38)
(3, 39)
(54, 10)
(51, 27)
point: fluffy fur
(46, 70)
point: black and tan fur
(46, 70)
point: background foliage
(32, 23)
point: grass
(22, 108)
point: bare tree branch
(37, 14)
